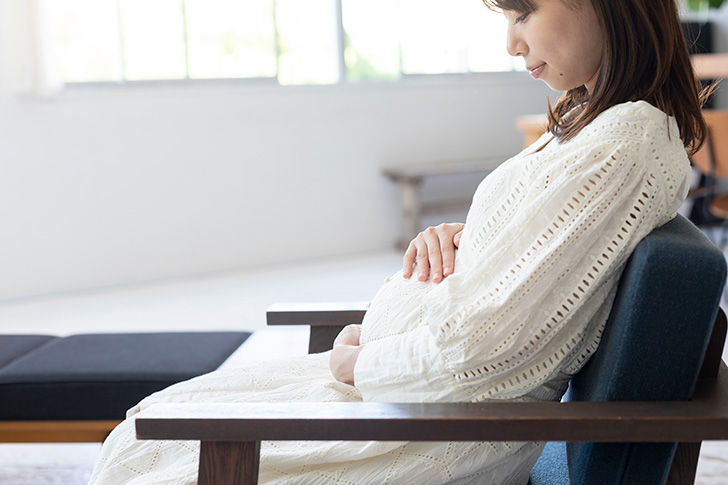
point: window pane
(372, 39)
(486, 34)
(86, 39)
(307, 42)
(153, 39)
(433, 40)
(231, 38)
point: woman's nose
(515, 44)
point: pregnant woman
(508, 306)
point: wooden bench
(409, 178)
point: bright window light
(291, 41)
(153, 39)
(231, 38)
(86, 40)
(307, 42)
(452, 36)
(372, 40)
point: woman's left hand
(345, 353)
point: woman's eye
(521, 18)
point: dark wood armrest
(703, 418)
(325, 319)
(230, 434)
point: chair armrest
(325, 319)
(230, 434)
(575, 421)
(317, 314)
(703, 418)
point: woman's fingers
(408, 262)
(433, 240)
(448, 254)
(417, 256)
(456, 238)
(447, 250)
(432, 253)
(422, 258)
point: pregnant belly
(396, 308)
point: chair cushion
(100, 376)
(652, 348)
(551, 467)
(15, 346)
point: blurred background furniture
(710, 200)
(622, 417)
(78, 388)
(532, 127)
(710, 66)
(410, 178)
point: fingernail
(448, 270)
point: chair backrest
(715, 150)
(652, 348)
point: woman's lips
(535, 72)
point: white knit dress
(545, 242)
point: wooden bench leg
(411, 209)
(684, 464)
(229, 462)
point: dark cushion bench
(100, 376)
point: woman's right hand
(433, 252)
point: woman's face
(561, 42)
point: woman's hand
(345, 353)
(433, 250)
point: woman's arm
(433, 251)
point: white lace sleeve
(521, 310)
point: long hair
(645, 57)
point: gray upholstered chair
(623, 415)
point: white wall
(106, 186)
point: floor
(219, 302)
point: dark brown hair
(645, 58)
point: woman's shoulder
(637, 117)
(631, 133)
(631, 125)
(635, 109)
